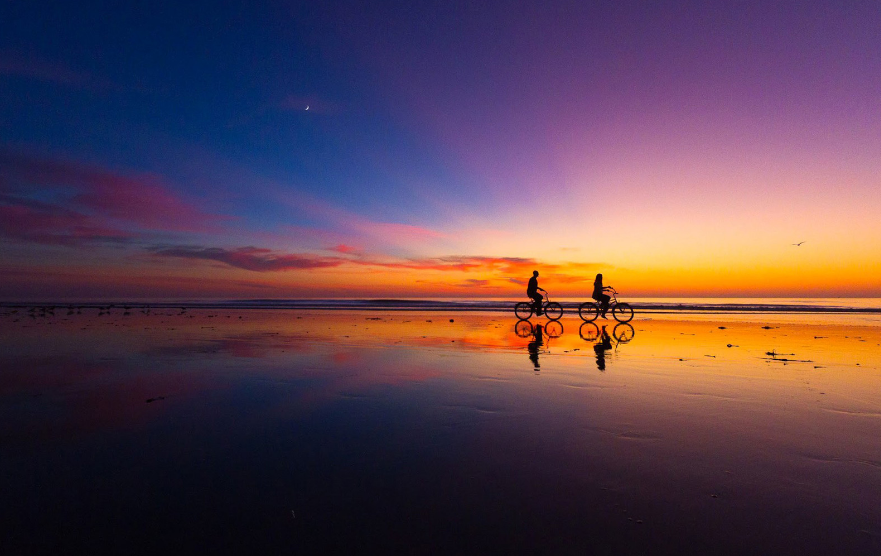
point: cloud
(55, 201)
(472, 283)
(266, 260)
(464, 263)
(250, 258)
(345, 249)
(52, 225)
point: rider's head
(599, 277)
(535, 273)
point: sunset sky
(439, 148)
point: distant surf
(643, 305)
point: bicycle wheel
(622, 312)
(623, 332)
(588, 311)
(588, 331)
(523, 310)
(554, 329)
(554, 310)
(524, 329)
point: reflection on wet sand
(202, 430)
(535, 345)
(537, 333)
(623, 333)
(603, 344)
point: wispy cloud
(250, 258)
(62, 202)
(344, 249)
(266, 260)
(464, 263)
(472, 283)
(52, 225)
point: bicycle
(590, 310)
(552, 309)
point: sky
(204, 150)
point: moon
(307, 107)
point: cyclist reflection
(590, 332)
(601, 347)
(534, 347)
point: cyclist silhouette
(599, 295)
(532, 291)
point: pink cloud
(250, 258)
(102, 198)
(496, 274)
(345, 249)
(266, 260)
(49, 224)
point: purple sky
(681, 146)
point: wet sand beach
(310, 431)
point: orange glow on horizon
(414, 279)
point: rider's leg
(536, 303)
(605, 302)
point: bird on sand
(798, 244)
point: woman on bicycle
(598, 294)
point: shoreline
(653, 306)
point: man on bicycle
(532, 291)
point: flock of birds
(36, 311)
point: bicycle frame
(614, 297)
(547, 299)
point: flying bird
(798, 244)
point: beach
(439, 431)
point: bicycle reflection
(538, 333)
(590, 332)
